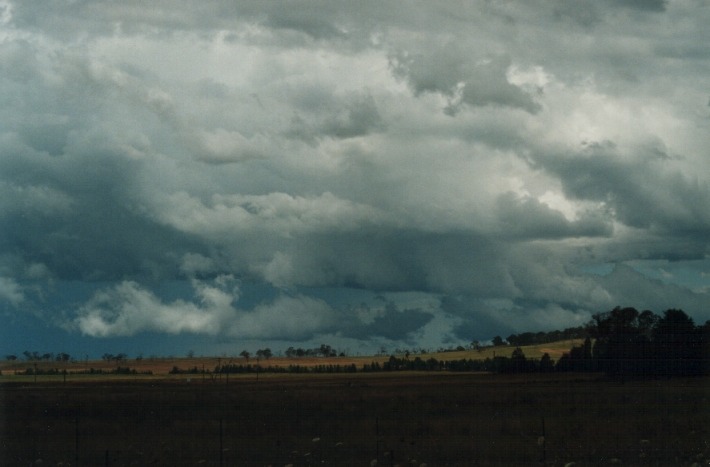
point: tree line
(35, 356)
(629, 343)
(324, 350)
(543, 337)
(119, 370)
(517, 363)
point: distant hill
(536, 351)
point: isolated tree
(120, 357)
(245, 354)
(32, 356)
(63, 357)
(497, 341)
(325, 350)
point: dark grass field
(398, 419)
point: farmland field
(351, 419)
(162, 366)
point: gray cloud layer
(488, 155)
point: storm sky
(220, 175)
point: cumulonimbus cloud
(479, 151)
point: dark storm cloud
(634, 289)
(477, 318)
(79, 213)
(477, 84)
(484, 155)
(344, 118)
(304, 19)
(589, 13)
(649, 5)
(583, 12)
(388, 322)
(358, 119)
(630, 187)
(531, 219)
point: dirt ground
(395, 418)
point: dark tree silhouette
(678, 344)
(546, 365)
(633, 344)
(619, 344)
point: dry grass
(554, 349)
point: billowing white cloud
(128, 309)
